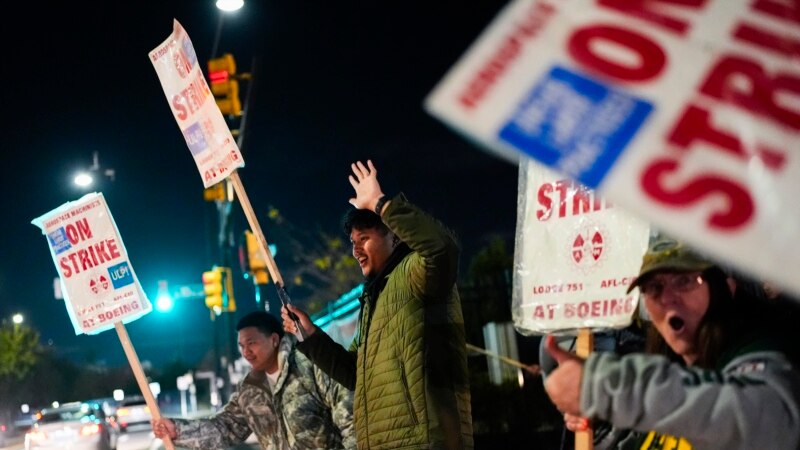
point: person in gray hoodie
(712, 379)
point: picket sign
(575, 256)
(205, 131)
(683, 112)
(100, 287)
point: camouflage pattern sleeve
(340, 401)
(226, 428)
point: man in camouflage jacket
(285, 400)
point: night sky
(334, 82)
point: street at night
(508, 223)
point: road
(133, 440)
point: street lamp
(230, 5)
(85, 178)
(164, 301)
(225, 6)
(17, 319)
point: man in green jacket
(407, 363)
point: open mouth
(676, 323)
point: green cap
(668, 254)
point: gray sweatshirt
(751, 404)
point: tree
(488, 282)
(321, 266)
(18, 345)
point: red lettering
(561, 187)
(761, 92)
(544, 199)
(112, 248)
(73, 258)
(544, 311)
(89, 257)
(83, 229)
(530, 25)
(100, 250)
(695, 124)
(72, 234)
(645, 10)
(584, 200)
(584, 43)
(784, 10)
(83, 256)
(180, 109)
(65, 269)
(767, 39)
(738, 211)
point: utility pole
(225, 79)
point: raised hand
(365, 182)
(563, 385)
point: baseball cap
(665, 253)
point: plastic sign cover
(97, 279)
(576, 255)
(686, 113)
(192, 103)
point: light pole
(224, 206)
(225, 6)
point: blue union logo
(575, 124)
(120, 274)
(58, 241)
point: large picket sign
(97, 279)
(686, 113)
(575, 257)
(209, 139)
(216, 153)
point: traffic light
(212, 287)
(256, 264)
(217, 192)
(225, 84)
(218, 287)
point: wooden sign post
(141, 379)
(584, 440)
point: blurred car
(132, 413)
(73, 426)
(6, 433)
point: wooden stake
(262, 242)
(584, 440)
(141, 379)
(256, 228)
(509, 361)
